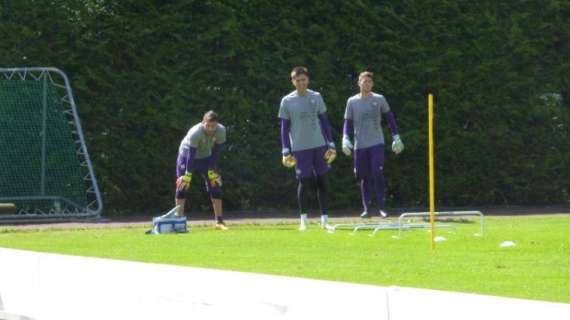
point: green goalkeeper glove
(397, 144)
(214, 178)
(183, 182)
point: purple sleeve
(285, 128)
(216, 152)
(392, 122)
(348, 127)
(325, 127)
(190, 159)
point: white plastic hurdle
(350, 226)
(355, 227)
(400, 225)
(439, 214)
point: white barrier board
(58, 287)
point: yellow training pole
(431, 171)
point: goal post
(45, 169)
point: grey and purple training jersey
(197, 138)
(366, 115)
(303, 113)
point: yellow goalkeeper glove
(183, 182)
(214, 178)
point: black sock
(220, 219)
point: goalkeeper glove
(289, 161)
(397, 144)
(214, 178)
(330, 155)
(183, 182)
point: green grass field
(537, 268)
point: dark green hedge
(144, 71)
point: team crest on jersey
(312, 101)
(375, 103)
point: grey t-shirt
(303, 112)
(197, 138)
(366, 114)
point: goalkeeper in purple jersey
(307, 142)
(198, 154)
(362, 117)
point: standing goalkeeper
(198, 154)
(307, 143)
(363, 116)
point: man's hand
(183, 182)
(397, 144)
(347, 146)
(214, 178)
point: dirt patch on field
(242, 217)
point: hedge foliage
(144, 71)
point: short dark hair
(366, 74)
(297, 71)
(210, 116)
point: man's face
(365, 84)
(301, 82)
(210, 127)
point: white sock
(324, 219)
(303, 218)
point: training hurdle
(376, 227)
(440, 214)
(400, 225)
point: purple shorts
(369, 161)
(311, 162)
(201, 168)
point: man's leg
(321, 187)
(362, 173)
(365, 196)
(180, 197)
(379, 186)
(321, 167)
(218, 214)
(303, 190)
(377, 161)
(304, 172)
(180, 204)
(215, 193)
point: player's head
(210, 122)
(300, 78)
(366, 81)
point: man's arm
(397, 144)
(326, 130)
(215, 156)
(288, 160)
(183, 182)
(285, 141)
(190, 155)
(391, 119)
(347, 130)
